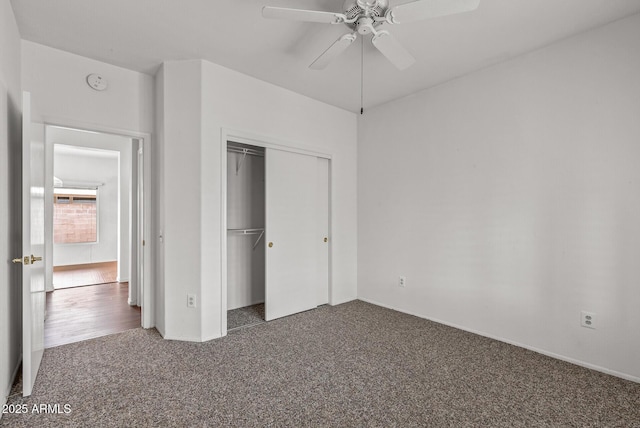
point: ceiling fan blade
(334, 50)
(394, 51)
(426, 9)
(303, 15)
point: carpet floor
(247, 316)
(354, 364)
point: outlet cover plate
(588, 319)
(191, 300)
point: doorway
(90, 206)
(95, 284)
(277, 232)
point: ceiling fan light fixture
(365, 25)
(364, 17)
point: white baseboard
(212, 337)
(15, 373)
(183, 339)
(7, 389)
(347, 300)
(511, 342)
(257, 302)
(161, 331)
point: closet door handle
(270, 244)
(326, 239)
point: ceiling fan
(365, 17)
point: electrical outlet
(191, 300)
(588, 319)
(402, 281)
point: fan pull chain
(362, 76)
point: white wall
(509, 199)
(180, 198)
(83, 167)
(201, 100)
(10, 205)
(62, 96)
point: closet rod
(249, 232)
(243, 150)
(246, 231)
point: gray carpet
(351, 365)
(247, 316)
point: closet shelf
(244, 151)
(259, 231)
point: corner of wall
(157, 226)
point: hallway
(81, 313)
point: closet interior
(245, 235)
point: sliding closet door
(322, 231)
(291, 233)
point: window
(75, 216)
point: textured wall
(509, 199)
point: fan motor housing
(354, 8)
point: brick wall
(74, 222)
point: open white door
(33, 284)
(290, 233)
(139, 210)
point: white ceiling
(63, 149)
(140, 34)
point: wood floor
(81, 313)
(88, 274)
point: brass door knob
(35, 259)
(270, 244)
(25, 260)
(326, 239)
